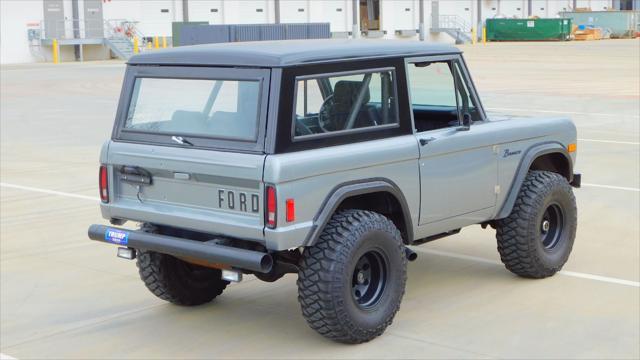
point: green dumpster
(528, 29)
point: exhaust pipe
(410, 254)
(206, 251)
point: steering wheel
(324, 116)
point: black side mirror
(466, 122)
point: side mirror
(466, 122)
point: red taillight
(271, 212)
(291, 210)
(104, 184)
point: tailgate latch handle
(135, 175)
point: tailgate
(203, 190)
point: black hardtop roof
(289, 52)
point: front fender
(529, 157)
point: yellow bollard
(484, 35)
(474, 36)
(136, 45)
(156, 43)
(149, 45)
(56, 55)
(164, 42)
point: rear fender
(349, 189)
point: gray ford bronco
(325, 158)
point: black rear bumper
(197, 250)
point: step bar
(205, 251)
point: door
(93, 20)
(54, 26)
(211, 11)
(458, 164)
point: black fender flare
(352, 188)
(527, 159)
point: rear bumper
(204, 251)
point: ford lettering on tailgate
(239, 201)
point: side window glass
(434, 97)
(432, 84)
(309, 98)
(330, 104)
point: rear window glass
(226, 109)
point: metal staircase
(119, 34)
(454, 26)
(121, 47)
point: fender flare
(530, 155)
(353, 188)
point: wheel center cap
(546, 225)
(360, 277)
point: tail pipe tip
(410, 254)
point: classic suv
(327, 159)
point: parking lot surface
(63, 296)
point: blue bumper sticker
(116, 236)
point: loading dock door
(93, 20)
(53, 19)
(369, 15)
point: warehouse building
(87, 29)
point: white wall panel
(401, 15)
(336, 12)
(15, 14)
(212, 11)
(294, 11)
(489, 9)
(514, 8)
(249, 12)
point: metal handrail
(123, 28)
(454, 22)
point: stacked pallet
(588, 34)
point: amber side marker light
(572, 148)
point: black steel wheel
(536, 239)
(352, 280)
(369, 279)
(551, 226)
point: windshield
(224, 109)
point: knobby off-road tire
(177, 281)
(535, 240)
(339, 287)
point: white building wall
(15, 15)
(212, 11)
(249, 12)
(514, 8)
(294, 11)
(336, 12)
(490, 8)
(399, 15)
